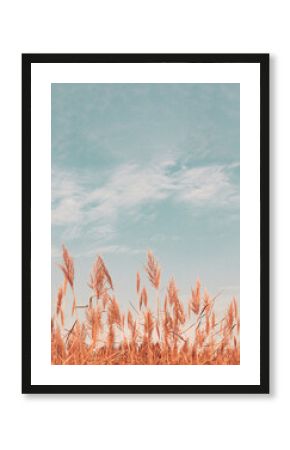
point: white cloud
(108, 249)
(67, 198)
(206, 186)
(77, 201)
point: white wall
(142, 422)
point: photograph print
(145, 224)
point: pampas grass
(159, 331)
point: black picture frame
(27, 61)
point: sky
(147, 166)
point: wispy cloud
(206, 186)
(78, 202)
(110, 249)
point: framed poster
(145, 223)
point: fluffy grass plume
(151, 331)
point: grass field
(169, 332)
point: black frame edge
(146, 389)
(265, 223)
(144, 57)
(26, 225)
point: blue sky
(139, 166)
